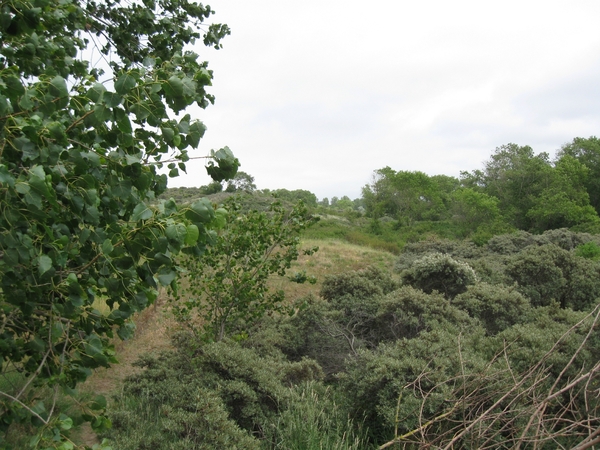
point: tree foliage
(242, 182)
(228, 286)
(587, 152)
(80, 153)
(406, 196)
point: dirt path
(153, 328)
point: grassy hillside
(155, 326)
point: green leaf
(93, 346)
(112, 99)
(141, 110)
(192, 234)
(189, 87)
(57, 331)
(125, 83)
(195, 133)
(107, 247)
(176, 232)
(168, 134)
(200, 211)
(166, 277)
(99, 403)
(96, 92)
(102, 113)
(132, 159)
(65, 423)
(44, 264)
(5, 176)
(38, 171)
(92, 214)
(141, 212)
(123, 122)
(5, 107)
(221, 217)
(22, 188)
(14, 86)
(26, 101)
(26, 147)
(58, 87)
(174, 86)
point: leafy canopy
(80, 153)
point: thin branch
(14, 399)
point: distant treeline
(515, 190)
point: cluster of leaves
(228, 287)
(79, 161)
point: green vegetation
(485, 336)
(79, 175)
(227, 288)
(396, 362)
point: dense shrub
(460, 250)
(219, 395)
(474, 391)
(439, 272)
(548, 272)
(192, 418)
(318, 331)
(564, 238)
(508, 244)
(492, 269)
(401, 383)
(589, 250)
(361, 284)
(407, 312)
(497, 307)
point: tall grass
(313, 421)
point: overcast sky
(318, 94)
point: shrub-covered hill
(469, 347)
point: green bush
(191, 418)
(328, 332)
(460, 250)
(497, 307)
(473, 391)
(508, 244)
(368, 282)
(589, 250)
(407, 312)
(219, 395)
(401, 384)
(549, 272)
(439, 272)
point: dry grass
(333, 257)
(153, 328)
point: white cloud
(317, 95)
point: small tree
(228, 287)
(241, 182)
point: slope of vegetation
(478, 349)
